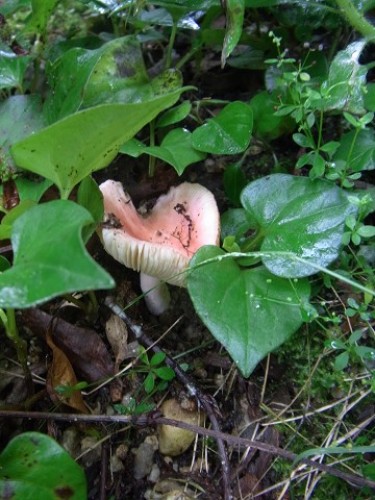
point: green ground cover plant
(117, 85)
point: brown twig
(208, 404)
(154, 418)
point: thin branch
(153, 418)
(207, 403)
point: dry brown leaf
(117, 335)
(83, 346)
(61, 373)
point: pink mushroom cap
(161, 242)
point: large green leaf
(76, 146)
(20, 116)
(298, 215)
(249, 311)
(82, 78)
(49, 256)
(228, 133)
(33, 465)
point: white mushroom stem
(157, 296)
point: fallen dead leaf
(84, 347)
(61, 374)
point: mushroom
(161, 242)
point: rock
(173, 441)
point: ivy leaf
(115, 72)
(228, 133)
(74, 147)
(249, 311)
(33, 465)
(175, 149)
(49, 256)
(298, 215)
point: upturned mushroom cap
(162, 242)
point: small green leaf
(303, 141)
(149, 383)
(174, 115)
(228, 133)
(341, 361)
(157, 359)
(298, 215)
(165, 373)
(49, 256)
(366, 231)
(34, 466)
(177, 150)
(249, 311)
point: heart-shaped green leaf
(298, 215)
(76, 146)
(249, 311)
(34, 466)
(175, 149)
(228, 133)
(49, 256)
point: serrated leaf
(228, 133)
(249, 311)
(298, 215)
(49, 256)
(33, 465)
(73, 148)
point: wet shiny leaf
(49, 256)
(33, 465)
(228, 133)
(298, 215)
(249, 311)
(74, 147)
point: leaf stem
(356, 19)
(168, 57)
(11, 330)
